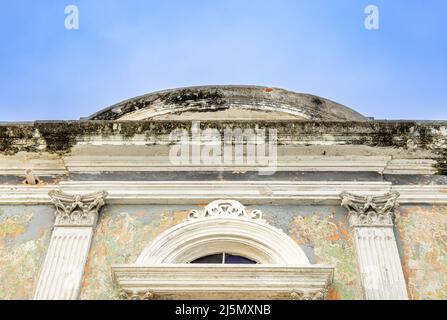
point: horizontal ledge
(257, 192)
(53, 165)
(189, 281)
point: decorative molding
(41, 164)
(250, 192)
(63, 268)
(229, 228)
(164, 267)
(136, 295)
(210, 282)
(372, 220)
(381, 164)
(85, 162)
(77, 210)
(98, 163)
(309, 295)
(225, 208)
(371, 211)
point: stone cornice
(260, 192)
(49, 165)
(64, 136)
(223, 281)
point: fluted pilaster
(372, 222)
(63, 268)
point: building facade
(224, 192)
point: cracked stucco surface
(125, 230)
(423, 234)
(24, 238)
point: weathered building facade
(148, 199)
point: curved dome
(228, 102)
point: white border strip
(259, 192)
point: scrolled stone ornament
(369, 210)
(136, 295)
(227, 209)
(308, 295)
(72, 210)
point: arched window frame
(163, 269)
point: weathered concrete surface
(24, 238)
(403, 139)
(225, 101)
(423, 234)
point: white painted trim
(258, 192)
(223, 226)
(163, 269)
(249, 238)
(191, 281)
(284, 163)
(57, 165)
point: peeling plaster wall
(24, 238)
(124, 231)
(423, 237)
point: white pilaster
(62, 272)
(372, 222)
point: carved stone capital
(77, 210)
(369, 211)
(309, 295)
(225, 209)
(136, 295)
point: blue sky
(125, 48)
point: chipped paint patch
(24, 239)
(329, 236)
(423, 235)
(122, 234)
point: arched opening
(223, 252)
(224, 226)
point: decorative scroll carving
(136, 295)
(371, 211)
(225, 208)
(309, 295)
(77, 210)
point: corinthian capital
(369, 210)
(77, 210)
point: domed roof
(228, 102)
